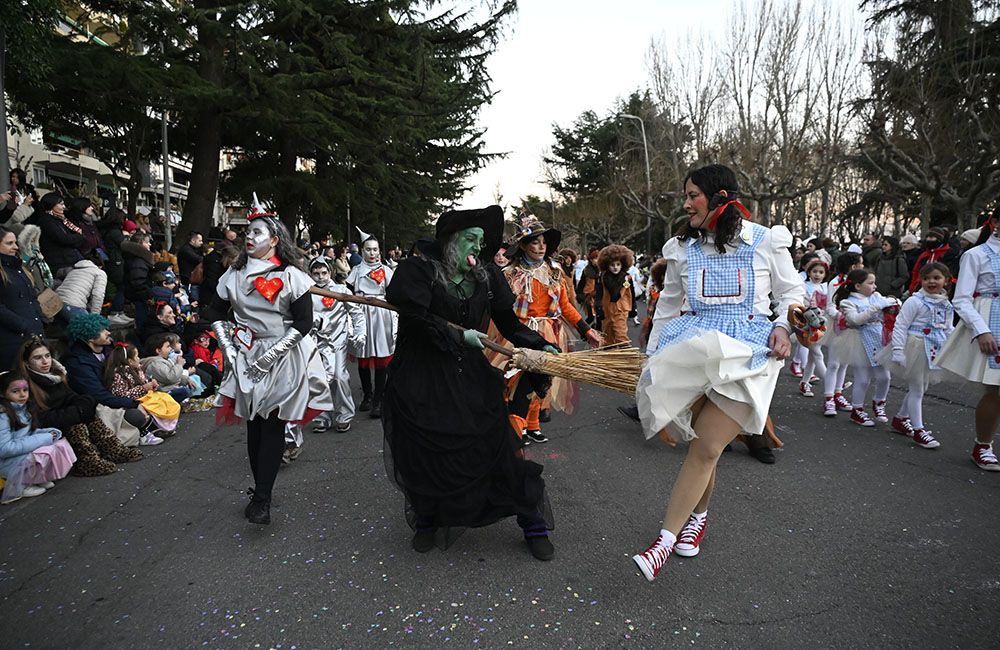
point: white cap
(854, 248)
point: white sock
(669, 539)
(700, 516)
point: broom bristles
(615, 367)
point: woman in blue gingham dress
(715, 355)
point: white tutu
(917, 369)
(711, 364)
(961, 356)
(847, 347)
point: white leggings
(801, 355)
(836, 373)
(863, 374)
(815, 364)
(912, 406)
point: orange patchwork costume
(542, 302)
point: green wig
(85, 327)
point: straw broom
(615, 367)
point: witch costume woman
(449, 444)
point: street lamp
(649, 183)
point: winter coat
(115, 266)
(20, 314)
(30, 249)
(891, 275)
(61, 246)
(85, 373)
(153, 327)
(187, 259)
(84, 287)
(138, 268)
(212, 270)
(168, 374)
(18, 217)
(17, 443)
(64, 408)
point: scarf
(521, 279)
(69, 224)
(614, 284)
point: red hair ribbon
(119, 344)
(719, 210)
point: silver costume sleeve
(223, 336)
(259, 368)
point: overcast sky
(560, 58)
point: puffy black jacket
(138, 268)
(20, 314)
(61, 247)
(64, 408)
(85, 373)
(187, 259)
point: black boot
(366, 403)
(544, 416)
(760, 449)
(423, 539)
(376, 411)
(258, 511)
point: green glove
(473, 339)
(550, 349)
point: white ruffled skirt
(711, 364)
(917, 368)
(961, 356)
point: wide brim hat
(490, 219)
(531, 226)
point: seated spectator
(80, 211)
(166, 366)
(205, 357)
(164, 321)
(124, 377)
(22, 212)
(138, 269)
(162, 258)
(31, 456)
(96, 446)
(163, 288)
(112, 233)
(19, 194)
(20, 314)
(83, 288)
(29, 247)
(90, 344)
(63, 242)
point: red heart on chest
(927, 330)
(328, 302)
(269, 288)
(378, 275)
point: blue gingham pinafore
(871, 332)
(931, 329)
(728, 281)
(994, 360)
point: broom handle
(375, 302)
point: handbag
(50, 302)
(198, 274)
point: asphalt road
(855, 538)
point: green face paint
(468, 245)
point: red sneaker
(984, 458)
(879, 409)
(689, 541)
(805, 389)
(651, 560)
(924, 438)
(858, 416)
(902, 426)
(796, 368)
(842, 402)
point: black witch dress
(449, 444)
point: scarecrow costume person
(370, 278)
(449, 445)
(542, 303)
(616, 293)
(274, 375)
(336, 324)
